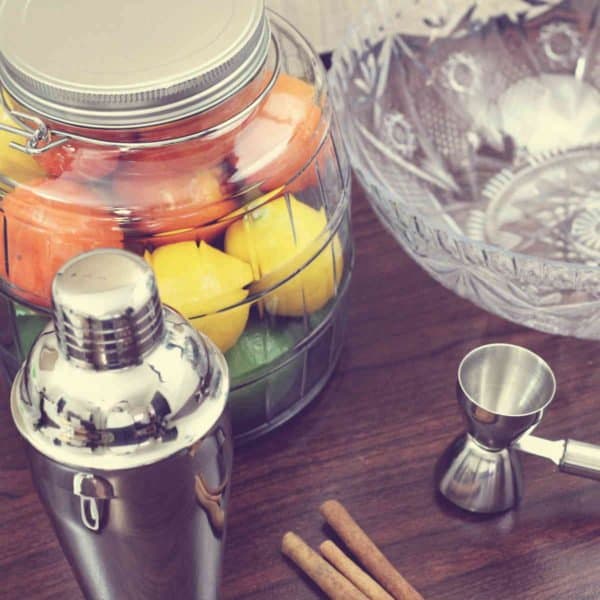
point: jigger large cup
(504, 390)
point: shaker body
(150, 533)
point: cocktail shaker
(123, 407)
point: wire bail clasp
(38, 139)
(38, 136)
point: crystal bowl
(475, 129)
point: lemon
(15, 164)
(200, 281)
(282, 240)
(224, 328)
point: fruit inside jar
(45, 223)
(241, 210)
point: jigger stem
(573, 457)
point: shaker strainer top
(107, 313)
(125, 64)
(117, 381)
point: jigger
(504, 390)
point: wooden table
(372, 440)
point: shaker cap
(115, 64)
(81, 399)
(107, 313)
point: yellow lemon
(253, 204)
(285, 240)
(13, 163)
(201, 281)
(223, 328)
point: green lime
(255, 378)
(259, 345)
(29, 327)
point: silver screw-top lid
(115, 64)
(107, 313)
(116, 380)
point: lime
(252, 383)
(29, 327)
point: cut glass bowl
(475, 129)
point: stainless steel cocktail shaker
(122, 404)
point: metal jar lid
(166, 393)
(115, 64)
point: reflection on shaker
(212, 497)
(211, 502)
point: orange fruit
(85, 162)
(276, 145)
(167, 208)
(46, 224)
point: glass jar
(201, 138)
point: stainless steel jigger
(504, 390)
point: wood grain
(372, 440)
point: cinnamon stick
(346, 566)
(367, 552)
(335, 585)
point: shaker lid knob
(107, 312)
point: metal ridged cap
(115, 64)
(107, 313)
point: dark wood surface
(372, 440)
